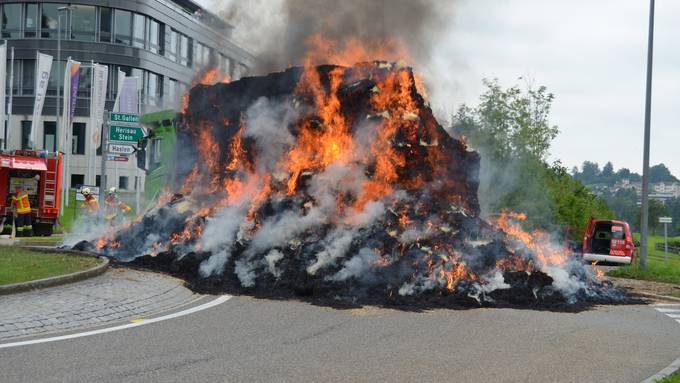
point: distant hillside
(590, 173)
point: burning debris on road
(338, 184)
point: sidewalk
(118, 295)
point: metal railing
(673, 247)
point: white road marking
(665, 310)
(675, 366)
(214, 302)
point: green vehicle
(160, 150)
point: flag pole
(9, 106)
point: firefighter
(113, 206)
(22, 207)
(90, 204)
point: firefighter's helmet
(111, 191)
(86, 191)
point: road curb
(670, 370)
(59, 279)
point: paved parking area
(117, 295)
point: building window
(185, 50)
(31, 21)
(154, 38)
(105, 24)
(50, 136)
(139, 31)
(77, 180)
(207, 52)
(155, 153)
(11, 21)
(25, 134)
(224, 65)
(123, 24)
(98, 181)
(83, 23)
(27, 77)
(56, 77)
(16, 87)
(172, 45)
(170, 97)
(85, 82)
(50, 21)
(123, 182)
(153, 87)
(78, 138)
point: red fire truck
(39, 173)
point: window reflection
(123, 27)
(11, 21)
(154, 38)
(172, 45)
(28, 77)
(84, 82)
(49, 21)
(31, 21)
(105, 24)
(139, 30)
(56, 77)
(83, 23)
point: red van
(608, 241)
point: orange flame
(538, 242)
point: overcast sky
(590, 53)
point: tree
(660, 173)
(509, 123)
(590, 173)
(511, 129)
(607, 174)
(624, 205)
(656, 209)
(625, 173)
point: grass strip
(657, 268)
(674, 378)
(21, 265)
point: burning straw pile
(338, 184)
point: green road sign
(125, 117)
(125, 133)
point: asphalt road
(250, 340)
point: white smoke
(272, 258)
(357, 266)
(245, 273)
(494, 282)
(267, 122)
(220, 230)
(215, 264)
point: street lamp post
(644, 216)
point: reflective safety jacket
(113, 206)
(91, 204)
(21, 203)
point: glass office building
(164, 43)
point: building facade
(165, 43)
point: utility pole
(644, 214)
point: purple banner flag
(75, 78)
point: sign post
(105, 139)
(665, 221)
